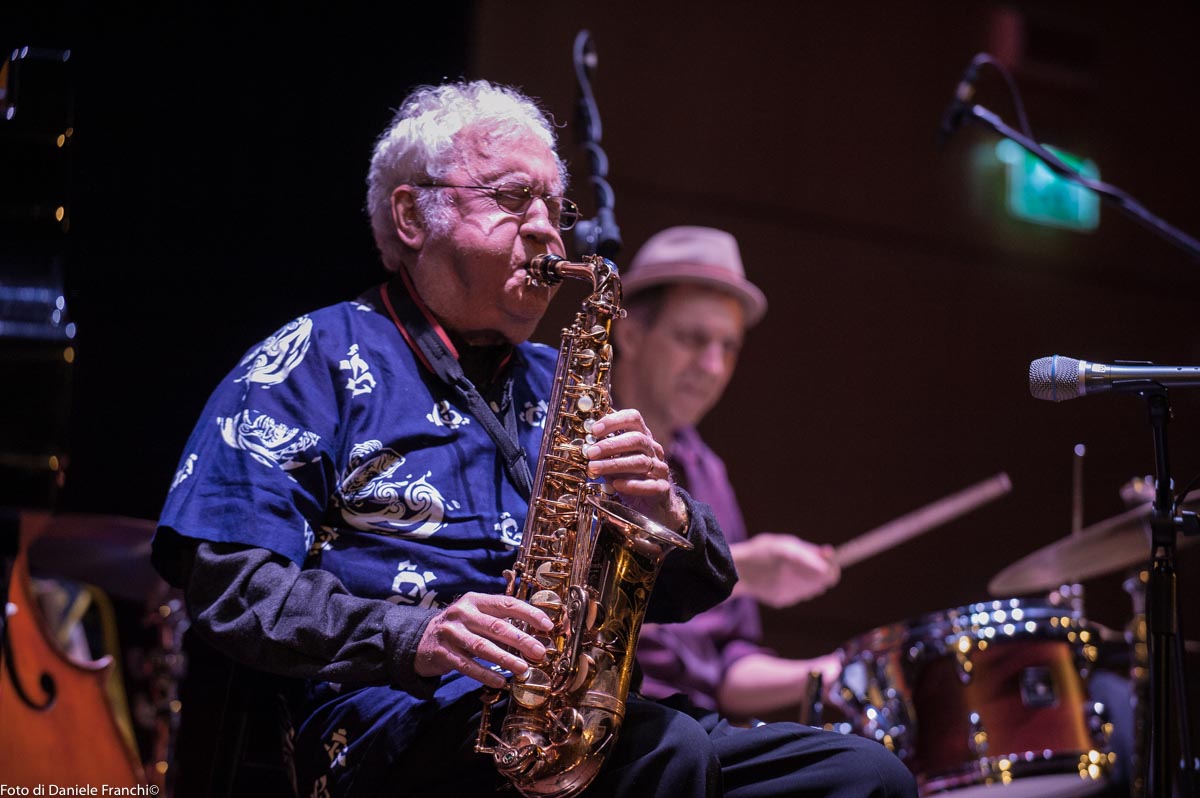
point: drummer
(689, 306)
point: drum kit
(996, 693)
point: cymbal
(1119, 542)
(111, 552)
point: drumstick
(906, 527)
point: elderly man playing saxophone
(347, 506)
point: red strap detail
(433, 323)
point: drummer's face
(684, 356)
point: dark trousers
(664, 749)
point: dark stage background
(220, 161)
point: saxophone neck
(547, 269)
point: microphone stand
(1162, 607)
(1162, 614)
(963, 112)
(1166, 654)
(598, 236)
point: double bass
(57, 723)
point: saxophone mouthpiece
(543, 269)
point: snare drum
(982, 695)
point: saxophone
(586, 560)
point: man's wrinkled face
(684, 357)
(470, 270)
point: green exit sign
(1036, 194)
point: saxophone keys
(517, 759)
(531, 689)
(548, 602)
(568, 726)
(548, 644)
(583, 672)
(548, 575)
(585, 403)
(584, 358)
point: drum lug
(977, 741)
(1098, 723)
(1037, 688)
(962, 658)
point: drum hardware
(1051, 379)
(1071, 596)
(1077, 489)
(1115, 543)
(1139, 677)
(1166, 673)
(1119, 542)
(868, 684)
(886, 713)
(977, 739)
(1037, 689)
(158, 667)
(982, 695)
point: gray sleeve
(263, 610)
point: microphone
(952, 119)
(1057, 378)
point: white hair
(421, 145)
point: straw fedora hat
(698, 256)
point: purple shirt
(692, 657)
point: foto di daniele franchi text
(78, 789)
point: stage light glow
(1034, 193)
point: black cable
(1187, 763)
(1022, 120)
(1182, 495)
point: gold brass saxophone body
(586, 560)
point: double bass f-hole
(45, 681)
(8, 562)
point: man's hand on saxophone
(480, 626)
(627, 456)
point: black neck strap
(433, 348)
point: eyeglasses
(515, 198)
